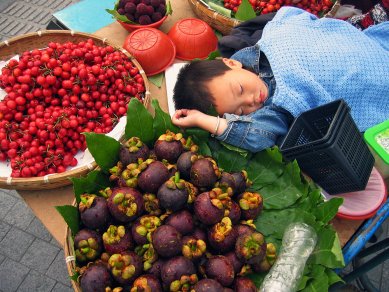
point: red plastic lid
(194, 38)
(363, 204)
(152, 49)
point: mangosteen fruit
(193, 248)
(204, 173)
(178, 274)
(95, 278)
(242, 229)
(146, 282)
(219, 268)
(117, 239)
(251, 204)
(167, 241)
(181, 220)
(222, 236)
(189, 144)
(244, 284)
(143, 227)
(199, 233)
(173, 194)
(125, 267)
(125, 204)
(207, 285)
(235, 261)
(234, 212)
(208, 208)
(156, 267)
(169, 147)
(242, 181)
(251, 247)
(133, 149)
(184, 163)
(152, 204)
(94, 213)
(148, 254)
(88, 245)
(150, 179)
(268, 261)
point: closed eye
(241, 89)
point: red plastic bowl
(194, 38)
(152, 48)
(131, 27)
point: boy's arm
(193, 118)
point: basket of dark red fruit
(55, 86)
(134, 14)
(179, 211)
(223, 15)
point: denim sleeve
(257, 131)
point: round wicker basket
(40, 39)
(225, 24)
(70, 258)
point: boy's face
(238, 91)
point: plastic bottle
(298, 242)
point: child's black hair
(191, 90)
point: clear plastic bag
(298, 242)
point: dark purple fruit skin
(85, 234)
(167, 241)
(127, 157)
(184, 164)
(170, 199)
(255, 258)
(168, 150)
(205, 211)
(242, 229)
(244, 284)
(234, 212)
(139, 239)
(199, 233)
(202, 173)
(153, 177)
(176, 267)
(240, 183)
(208, 285)
(220, 269)
(95, 279)
(120, 215)
(182, 221)
(152, 283)
(97, 216)
(156, 268)
(225, 245)
(125, 243)
(235, 261)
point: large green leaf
(265, 167)
(95, 181)
(231, 160)
(162, 120)
(318, 281)
(104, 149)
(139, 122)
(245, 11)
(71, 216)
(327, 210)
(286, 190)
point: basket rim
(56, 180)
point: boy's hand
(187, 118)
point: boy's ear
(233, 64)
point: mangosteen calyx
(127, 203)
(251, 245)
(86, 201)
(152, 204)
(222, 229)
(185, 283)
(114, 234)
(147, 224)
(122, 266)
(194, 248)
(189, 145)
(148, 254)
(116, 171)
(250, 201)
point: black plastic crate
(329, 148)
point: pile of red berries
(142, 11)
(55, 94)
(316, 7)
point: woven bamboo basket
(37, 40)
(225, 24)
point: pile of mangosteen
(174, 221)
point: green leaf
(327, 210)
(265, 167)
(95, 181)
(213, 55)
(118, 16)
(231, 158)
(162, 120)
(327, 252)
(257, 278)
(333, 277)
(169, 9)
(104, 149)
(245, 11)
(157, 79)
(220, 9)
(71, 216)
(139, 122)
(287, 189)
(318, 281)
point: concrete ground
(30, 258)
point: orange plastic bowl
(194, 38)
(152, 48)
(131, 27)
